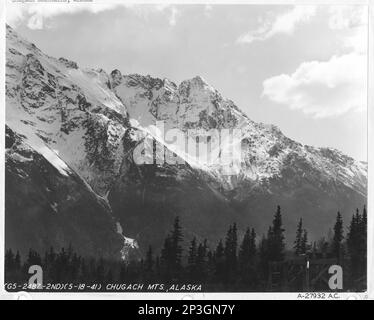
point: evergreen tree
(109, 276)
(61, 266)
(201, 253)
(177, 238)
(304, 242)
(247, 253)
(171, 253)
(100, 272)
(219, 261)
(33, 258)
(356, 243)
(201, 261)
(264, 256)
(167, 257)
(364, 220)
(276, 243)
(323, 247)
(123, 273)
(9, 260)
(157, 267)
(338, 237)
(299, 236)
(192, 253)
(363, 231)
(314, 250)
(253, 248)
(210, 266)
(231, 245)
(247, 249)
(74, 266)
(17, 261)
(353, 242)
(364, 241)
(84, 273)
(149, 263)
(191, 260)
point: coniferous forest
(237, 264)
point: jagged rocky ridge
(83, 125)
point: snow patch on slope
(128, 243)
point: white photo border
(4, 295)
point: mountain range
(71, 177)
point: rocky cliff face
(80, 128)
(47, 204)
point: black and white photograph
(185, 148)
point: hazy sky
(301, 68)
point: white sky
(301, 68)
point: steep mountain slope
(73, 111)
(47, 204)
(147, 198)
(72, 118)
(86, 124)
(308, 182)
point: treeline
(233, 264)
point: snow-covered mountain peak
(54, 102)
(68, 99)
(197, 83)
(197, 89)
(17, 42)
